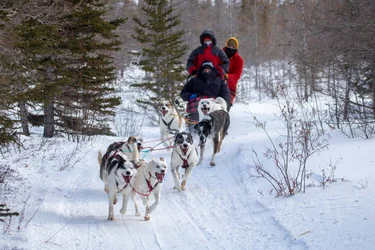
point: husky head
(121, 167)
(206, 105)
(157, 169)
(165, 108)
(184, 140)
(135, 141)
(203, 129)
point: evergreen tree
(87, 100)
(8, 122)
(71, 66)
(158, 31)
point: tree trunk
(23, 116)
(347, 92)
(49, 122)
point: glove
(193, 96)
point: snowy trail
(62, 204)
(217, 211)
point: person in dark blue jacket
(206, 84)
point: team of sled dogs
(122, 170)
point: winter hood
(209, 33)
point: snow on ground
(222, 208)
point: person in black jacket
(206, 84)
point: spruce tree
(88, 98)
(8, 122)
(158, 31)
(71, 65)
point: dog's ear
(162, 159)
(113, 164)
(190, 138)
(131, 139)
(177, 137)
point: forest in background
(314, 46)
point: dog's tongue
(184, 150)
(127, 178)
(164, 112)
(160, 177)
(205, 111)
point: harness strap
(190, 121)
(127, 145)
(168, 124)
(185, 162)
(122, 188)
(115, 155)
(137, 166)
(150, 187)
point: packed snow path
(217, 211)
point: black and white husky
(118, 176)
(149, 180)
(213, 125)
(184, 155)
(118, 170)
(130, 148)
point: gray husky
(214, 125)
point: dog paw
(115, 201)
(147, 217)
(212, 164)
(183, 185)
(122, 211)
(177, 188)
(111, 217)
(138, 214)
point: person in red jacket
(235, 66)
(207, 52)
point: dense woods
(58, 59)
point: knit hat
(232, 41)
(207, 65)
